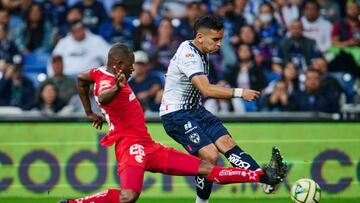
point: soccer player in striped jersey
(185, 119)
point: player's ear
(120, 64)
(200, 37)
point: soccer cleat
(63, 201)
(268, 189)
(275, 170)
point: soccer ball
(305, 191)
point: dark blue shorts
(194, 128)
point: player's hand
(120, 79)
(250, 95)
(96, 119)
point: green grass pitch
(186, 200)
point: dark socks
(238, 158)
(203, 187)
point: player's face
(211, 40)
(127, 66)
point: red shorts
(134, 158)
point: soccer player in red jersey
(135, 150)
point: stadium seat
(36, 62)
(132, 20)
(250, 106)
(347, 82)
(272, 76)
(35, 67)
(35, 77)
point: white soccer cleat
(268, 189)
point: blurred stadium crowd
(303, 55)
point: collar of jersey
(191, 44)
(103, 70)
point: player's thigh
(211, 124)
(130, 154)
(182, 164)
(179, 163)
(131, 165)
(185, 130)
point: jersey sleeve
(102, 82)
(93, 73)
(104, 85)
(190, 63)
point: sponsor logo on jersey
(188, 125)
(104, 84)
(138, 151)
(236, 160)
(191, 129)
(195, 138)
(189, 63)
(132, 96)
(189, 55)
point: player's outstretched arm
(209, 90)
(84, 83)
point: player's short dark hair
(209, 21)
(118, 51)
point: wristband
(237, 92)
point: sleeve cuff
(195, 74)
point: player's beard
(131, 75)
(214, 51)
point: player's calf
(128, 196)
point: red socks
(107, 196)
(233, 175)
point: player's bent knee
(128, 196)
(212, 158)
(225, 143)
(205, 168)
(209, 153)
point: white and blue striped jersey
(179, 92)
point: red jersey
(123, 114)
